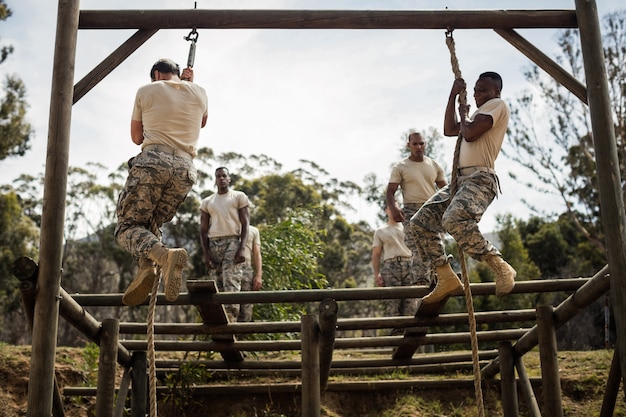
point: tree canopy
(15, 131)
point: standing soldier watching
(224, 223)
(418, 177)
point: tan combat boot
(447, 283)
(505, 274)
(172, 262)
(139, 290)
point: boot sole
(176, 262)
(138, 291)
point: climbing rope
(466, 284)
(151, 356)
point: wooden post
(527, 388)
(46, 317)
(607, 162)
(328, 325)
(574, 304)
(550, 379)
(106, 368)
(311, 397)
(25, 269)
(122, 394)
(139, 378)
(612, 387)
(508, 386)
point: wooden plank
(535, 285)
(326, 19)
(214, 314)
(111, 62)
(544, 62)
(573, 305)
(413, 335)
(411, 341)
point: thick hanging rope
(466, 284)
(151, 356)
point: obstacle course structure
(48, 293)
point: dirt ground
(583, 383)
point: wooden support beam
(139, 378)
(544, 62)
(508, 387)
(607, 163)
(527, 388)
(111, 62)
(551, 380)
(25, 269)
(325, 19)
(107, 362)
(311, 393)
(342, 343)
(573, 305)
(343, 294)
(215, 314)
(612, 387)
(46, 314)
(87, 324)
(482, 317)
(328, 328)
(296, 388)
(122, 394)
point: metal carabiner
(193, 38)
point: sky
(339, 98)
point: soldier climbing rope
(193, 38)
(433, 309)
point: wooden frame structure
(63, 94)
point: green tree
(19, 236)
(15, 131)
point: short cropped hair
(166, 66)
(222, 168)
(494, 76)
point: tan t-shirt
(224, 212)
(391, 238)
(417, 179)
(483, 151)
(171, 112)
(254, 238)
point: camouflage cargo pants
(396, 273)
(246, 310)
(420, 268)
(459, 217)
(227, 274)
(156, 186)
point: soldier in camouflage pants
(167, 116)
(459, 218)
(144, 204)
(227, 274)
(224, 226)
(396, 272)
(480, 138)
(391, 262)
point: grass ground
(583, 382)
